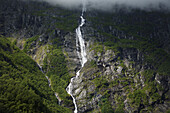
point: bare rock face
(88, 93)
(70, 52)
(118, 75)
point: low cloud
(111, 4)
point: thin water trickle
(49, 82)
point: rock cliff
(128, 56)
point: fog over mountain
(111, 4)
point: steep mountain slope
(39, 29)
(128, 63)
(24, 87)
(128, 58)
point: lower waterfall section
(80, 43)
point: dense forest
(24, 87)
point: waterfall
(80, 43)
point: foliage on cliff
(140, 40)
(146, 31)
(24, 87)
(56, 69)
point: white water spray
(81, 54)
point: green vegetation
(146, 96)
(97, 47)
(56, 68)
(24, 87)
(68, 23)
(54, 65)
(93, 64)
(29, 42)
(151, 48)
(101, 82)
(106, 106)
(138, 97)
(63, 19)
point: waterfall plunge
(80, 43)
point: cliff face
(128, 54)
(39, 22)
(127, 64)
(124, 68)
(39, 30)
(124, 80)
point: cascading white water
(81, 54)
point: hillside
(127, 68)
(24, 87)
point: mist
(108, 5)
